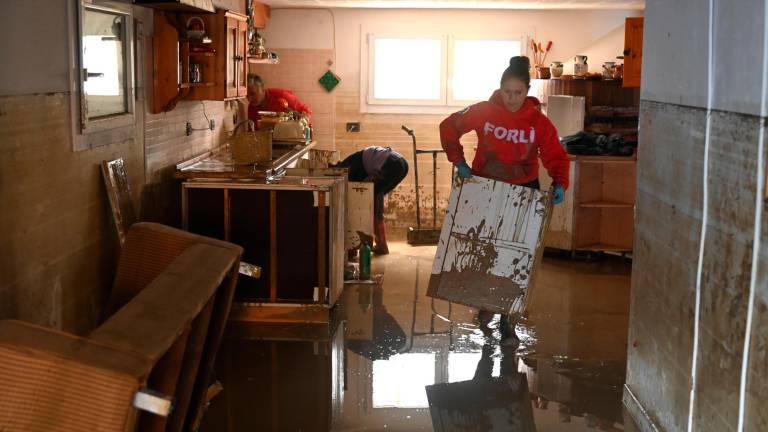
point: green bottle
(365, 262)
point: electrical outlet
(213, 124)
(189, 128)
(353, 127)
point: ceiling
(462, 4)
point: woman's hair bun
(520, 62)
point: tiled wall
(167, 144)
(299, 71)
(385, 130)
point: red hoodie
(272, 102)
(508, 143)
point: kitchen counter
(218, 164)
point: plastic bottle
(365, 262)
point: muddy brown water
(397, 360)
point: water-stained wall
(683, 352)
(58, 246)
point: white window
(407, 71)
(477, 66)
(104, 63)
(431, 74)
(103, 81)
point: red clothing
(509, 143)
(272, 102)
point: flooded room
(383, 215)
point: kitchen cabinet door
(633, 51)
(233, 32)
(241, 66)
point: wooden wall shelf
(258, 60)
(190, 85)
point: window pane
(407, 69)
(104, 61)
(478, 65)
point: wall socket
(190, 129)
(353, 127)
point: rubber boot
(483, 319)
(379, 231)
(507, 325)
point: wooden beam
(273, 246)
(321, 247)
(227, 216)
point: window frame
(415, 106)
(96, 132)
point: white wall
(598, 34)
(39, 64)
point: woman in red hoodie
(512, 134)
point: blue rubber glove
(463, 170)
(559, 195)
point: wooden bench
(170, 301)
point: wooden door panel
(633, 51)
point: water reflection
(395, 359)
(484, 403)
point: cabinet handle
(238, 57)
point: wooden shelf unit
(598, 211)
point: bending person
(386, 168)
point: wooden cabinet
(196, 70)
(633, 51)
(292, 227)
(598, 212)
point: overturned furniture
(292, 226)
(170, 301)
(490, 245)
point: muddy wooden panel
(488, 246)
(119, 193)
(359, 213)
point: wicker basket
(250, 146)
